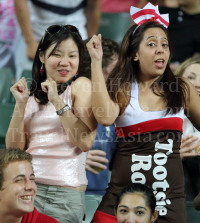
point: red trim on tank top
(174, 123)
(101, 217)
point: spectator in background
(116, 6)
(35, 16)
(9, 33)
(183, 29)
(18, 189)
(190, 69)
(98, 159)
(136, 203)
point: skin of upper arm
(192, 110)
(82, 106)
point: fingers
(20, 86)
(89, 168)
(96, 164)
(47, 84)
(186, 141)
(96, 156)
(95, 42)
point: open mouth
(63, 72)
(27, 198)
(159, 63)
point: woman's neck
(145, 83)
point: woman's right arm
(15, 137)
(104, 109)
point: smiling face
(63, 63)
(19, 189)
(192, 72)
(133, 209)
(153, 54)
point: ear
(41, 56)
(154, 216)
(136, 57)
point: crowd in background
(24, 44)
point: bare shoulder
(81, 85)
(123, 98)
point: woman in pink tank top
(55, 123)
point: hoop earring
(42, 70)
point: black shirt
(184, 30)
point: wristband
(64, 109)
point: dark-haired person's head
(59, 54)
(136, 203)
(144, 57)
(17, 185)
(110, 56)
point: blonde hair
(11, 155)
(192, 60)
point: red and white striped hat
(149, 13)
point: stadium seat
(28, 75)
(92, 203)
(193, 214)
(114, 25)
(6, 75)
(6, 111)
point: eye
(140, 212)
(73, 56)
(123, 211)
(19, 180)
(32, 179)
(151, 44)
(165, 45)
(56, 55)
(191, 78)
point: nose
(64, 61)
(30, 185)
(131, 218)
(197, 84)
(159, 49)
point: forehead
(66, 45)
(155, 32)
(195, 68)
(133, 200)
(17, 168)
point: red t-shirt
(37, 217)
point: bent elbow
(105, 122)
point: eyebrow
(192, 73)
(156, 37)
(138, 207)
(22, 175)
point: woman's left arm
(79, 123)
(192, 110)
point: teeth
(159, 60)
(28, 198)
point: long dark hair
(141, 188)
(44, 44)
(174, 90)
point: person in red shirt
(18, 189)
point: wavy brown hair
(173, 90)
